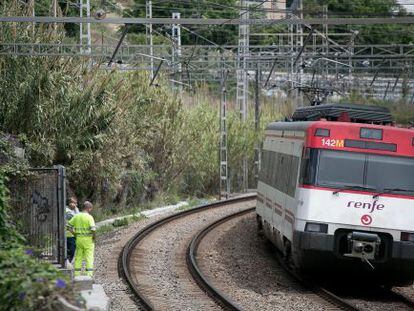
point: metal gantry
(257, 152)
(243, 82)
(407, 20)
(149, 37)
(223, 156)
(301, 60)
(176, 52)
(85, 39)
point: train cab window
(387, 172)
(331, 168)
(336, 168)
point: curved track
(330, 300)
(138, 259)
(212, 291)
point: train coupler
(363, 245)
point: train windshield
(336, 169)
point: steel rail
(329, 296)
(221, 298)
(125, 255)
(402, 297)
(209, 21)
(325, 294)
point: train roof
(305, 125)
(346, 136)
(349, 112)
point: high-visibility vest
(83, 225)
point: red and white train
(340, 194)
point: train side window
(262, 166)
(276, 169)
(280, 177)
(270, 167)
(288, 173)
(293, 176)
(266, 166)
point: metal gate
(38, 209)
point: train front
(356, 200)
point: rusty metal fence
(38, 209)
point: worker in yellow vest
(82, 225)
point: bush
(121, 222)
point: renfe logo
(369, 206)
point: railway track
(337, 302)
(334, 302)
(140, 269)
(153, 262)
(330, 300)
(201, 279)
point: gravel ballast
(240, 263)
(158, 263)
(107, 250)
(233, 256)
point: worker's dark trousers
(71, 247)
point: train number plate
(339, 143)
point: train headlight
(316, 227)
(407, 236)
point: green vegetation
(25, 283)
(124, 143)
(402, 111)
(124, 222)
(104, 229)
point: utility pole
(326, 41)
(149, 38)
(85, 32)
(224, 170)
(176, 55)
(299, 30)
(32, 11)
(257, 126)
(242, 80)
(54, 9)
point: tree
(368, 34)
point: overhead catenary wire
(209, 21)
